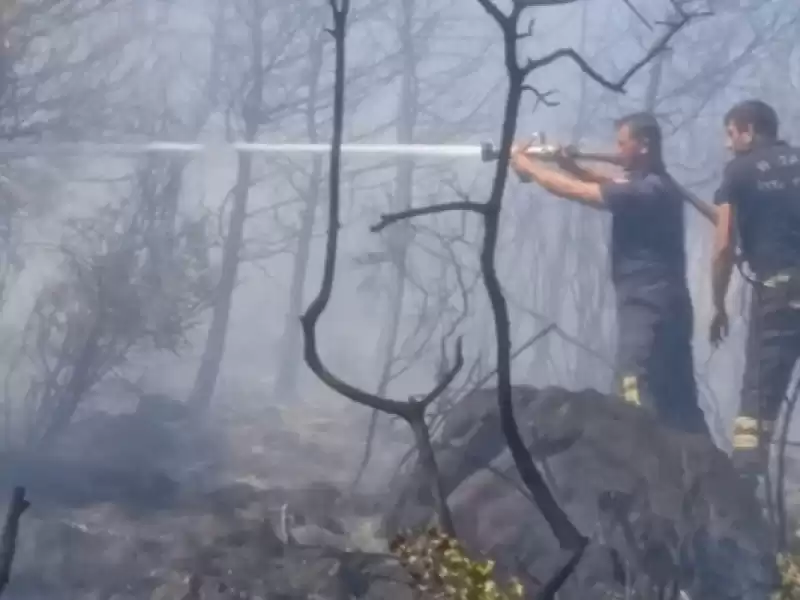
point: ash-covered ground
(152, 501)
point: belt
(776, 280)
(786, 278)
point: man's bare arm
(599, 175)
(558, 183)
(723, 258)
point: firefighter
(758, 203)
(648, 262)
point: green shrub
(789, 567)
(440, 569)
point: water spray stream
(485, 151)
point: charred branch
(550, 589)
(413, 412)
(390, 219)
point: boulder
(662, 510)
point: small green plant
(440, 569)
(789, 568)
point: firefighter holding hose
(648, 260)
(758, 202)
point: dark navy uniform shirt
(763, 186)
(648, 254)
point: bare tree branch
(390, 219)
(550, 589)
(638, 14)
(542, 98)
(413, 412)
(618, 85)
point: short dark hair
(644, 128)
(756, 114)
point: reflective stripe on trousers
(630, 390)
(748, 436)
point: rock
(668, 503)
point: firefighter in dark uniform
(648, 260)
(758, 203)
